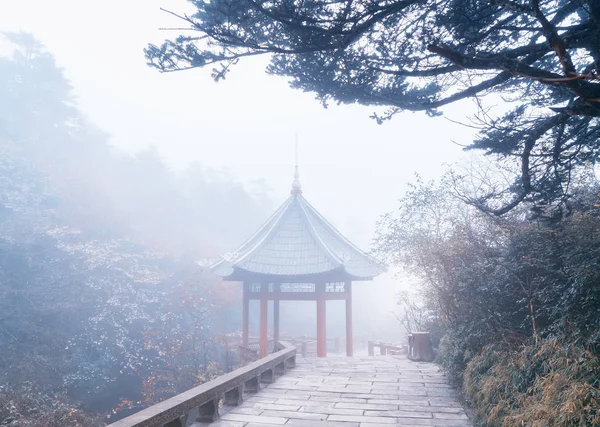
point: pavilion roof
(298, 242)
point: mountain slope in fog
(101, 302)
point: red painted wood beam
(298, 296)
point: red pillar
(263, 325)
(245, 314)
(276, 289)
(276, 320)
(349, 334)
(321, 320)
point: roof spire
(296, 187)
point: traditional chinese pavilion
(297, 256)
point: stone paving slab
(351, 392)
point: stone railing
(203, 403)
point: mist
(186, 221)
(352, 169)
(119, 182)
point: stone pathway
(352, 392)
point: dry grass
(552, 383)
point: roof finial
(296, 187)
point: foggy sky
(351, 169)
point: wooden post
(245, 313)
(263, 320)
(349, 335)
(276, 320)
(321, 320)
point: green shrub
(452, 357)
(550, 383)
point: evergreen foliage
(541, 56)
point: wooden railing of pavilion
(203, 403)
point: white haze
(352, 170)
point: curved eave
(368, 258)
(340, 274)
